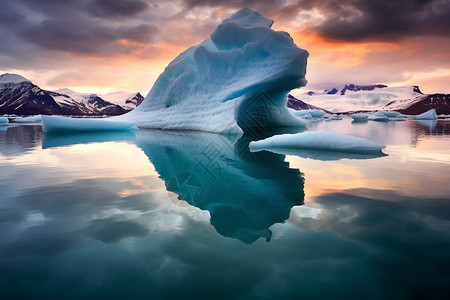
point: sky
(123, 45)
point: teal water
(190, 215)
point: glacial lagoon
(151, 214)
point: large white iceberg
(4, 120)
(239, 78)
(64, 124)
(428, 115)
(317, 140)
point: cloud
(88, 37)
(386, 20)
(112, 230)
(115, 8)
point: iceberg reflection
(326, 155)
(57, 139)
(245, 193)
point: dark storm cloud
(73, 36)
(114, 8)
(387, 20)
(112, 230)
(72, 27)
(350, 20)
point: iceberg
(428, 115)
(317, 140)
(30, 119)
(4, 120)
(65, 124)
(360, 117)
(238, 78)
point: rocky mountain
(441, 102)
(20, 96)
(298, 104)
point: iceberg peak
(239, 78)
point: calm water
(188, 215)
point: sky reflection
(102, 220)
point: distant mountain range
(20, 96)
(354, 98)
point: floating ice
(332, 117)
(239, 78)
(393, 114)
(360, 117)
(378, 118)
(428, 115)
(64, 124)
(317, 140)
(315, 113)
(30, 119)
(4, 120)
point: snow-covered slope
(126, 100)
(356, 98)
(238, 78)
(91, 101)
(8, 80)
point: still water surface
(190, 215)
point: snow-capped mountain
(351, 97)
(20, 96)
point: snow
(80, 97)
(30, 119)
(7, 80)
(428, 115)
(317, 140)
(4, 120)
(65, 124)
(120, 98)
(239, 78)
(376, 99)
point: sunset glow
(95, 47)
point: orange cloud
(337, 53)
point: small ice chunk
(30, 119)
(4, 120)
(315, 113)
(428, 115)
(360, 117)
(393, 114)
(317, 140)
(64, 124)
(378, 118)
(332, 117)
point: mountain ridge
(20, 96)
